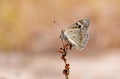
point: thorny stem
(63, 51)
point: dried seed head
(61, 50)
(67, 66)
(66, 72)
(68, 46)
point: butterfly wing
(77, 34)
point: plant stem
(63, 51)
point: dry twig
(63, 51)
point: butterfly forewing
(77, 34)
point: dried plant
(63, 51)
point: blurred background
(29, 40)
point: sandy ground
(49, 66)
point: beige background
(29, 40)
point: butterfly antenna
(61, 29)
(57, 24)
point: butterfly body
(77, 34)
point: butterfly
(76, 34)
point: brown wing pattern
(77, 37)
(77, 34)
